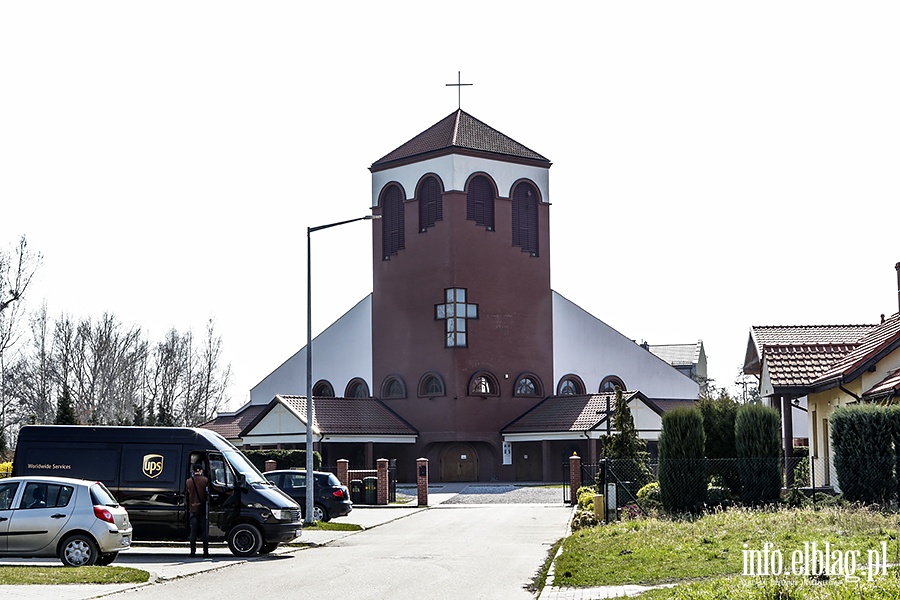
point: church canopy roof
(568, 413)
(458, 132)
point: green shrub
(585, 497)
(584, 518)
(682, 465)
(718, 425)
(757, 436)
(649, 496)
(862, 438)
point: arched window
(480, 202)
(323, 389)
(525, 218)
(610, 383)
(528, 385)
(393, 387)
(570, 385)
(431, 205)
(483, 384)
(357, 388)
(431, 385)
(392, 236)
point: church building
(462, 353)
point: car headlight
(282, 514)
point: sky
(716, 165)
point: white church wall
(588, 347)
(340, 353)
(455, 169)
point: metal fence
(727, 482)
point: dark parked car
(331, 498)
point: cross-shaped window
(456, 312)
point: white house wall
(455, 169)
(588, 347)
(340, 353)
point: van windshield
(245, 467)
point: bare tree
(17, 269)
(211, 380)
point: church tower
(461, 304)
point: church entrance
(459, 462)
(528, 463)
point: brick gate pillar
(343, 471)
(574, 478)
(383, 483)
(422, 481)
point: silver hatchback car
(77, 520)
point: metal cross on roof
(458, 85)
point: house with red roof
(808, 371)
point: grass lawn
(25, 575)
(711, 548)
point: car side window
(44, 495)
(297, 480)
(7, 492)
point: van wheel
(79, 551)
(268, 548)
(106, 559)
(244, 540)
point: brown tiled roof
(567, 413)
(797, 354)
(889, 386)
(872, 347)
(800, 364)
(457, 131)
(345, 416)
(230, 425)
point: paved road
(466, 552)
(476, 541)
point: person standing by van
(198, 505)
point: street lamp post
(310, 478)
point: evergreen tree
(682, 466)
(626, 450)
(65, 412)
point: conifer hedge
(682, 464)
(757, 439)
(863, 437)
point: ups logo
(153, 465)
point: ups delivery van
(146, 469)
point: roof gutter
(848, 392)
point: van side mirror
(242, 482)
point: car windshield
(245, 467)
(102, 496)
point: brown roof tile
(889, 386)
(459, 130)
(882, 339)
(800, 364)
(359, 416)
(230, 425)
(566, 413)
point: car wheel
(268, 548)
(244, 540)
(319, 513)
(106, 559)
(79, 551)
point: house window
(431, 385)
(456, 312)
(480, 202)
(323, 389)
(610, 383)
(570, 385)
(392, 236)
(528, 385)
(357, 388)
(524, 218)
(484, 384)
(393, 387)
(430, 203)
